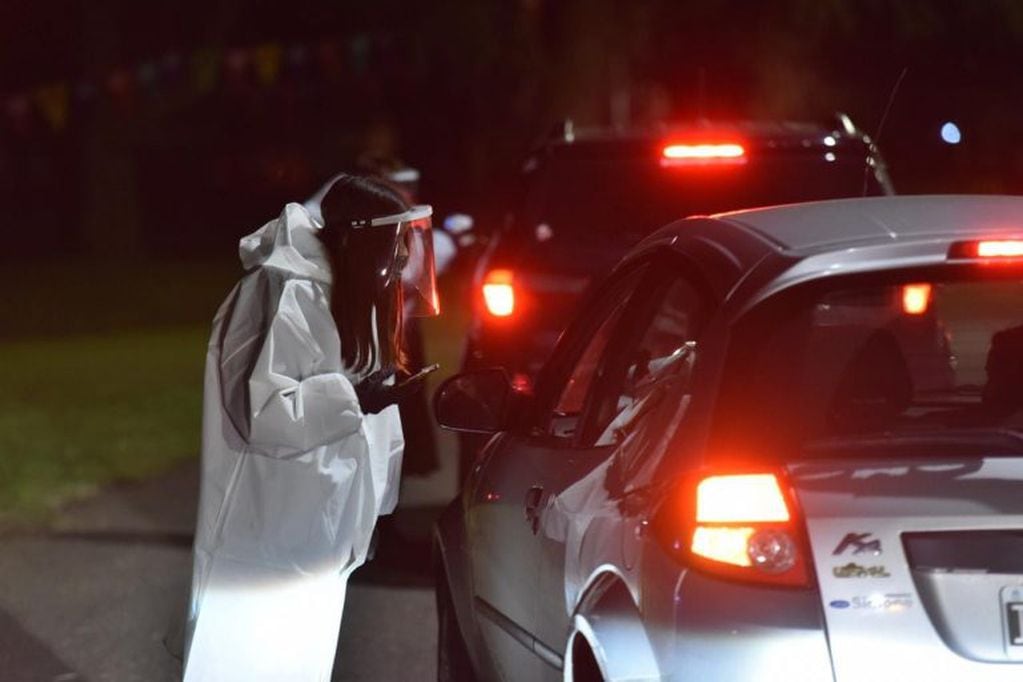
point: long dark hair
(354, 258)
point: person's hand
(374, 395)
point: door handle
(534, 498)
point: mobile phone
(421, 374)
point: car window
(896, 367)
(584, 365)
(638, 373)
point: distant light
(829, 157)
(830, 141)
(950, 133)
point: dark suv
(587, 197)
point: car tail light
(499, 293)
(916, 298)
(991, 250)
(742, 526)
(702, 153)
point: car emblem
(854, 570)
(861, 544)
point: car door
(585, 521)
(507, 487)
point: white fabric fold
(293, 474)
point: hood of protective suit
(289, 243)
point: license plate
(1012, 613)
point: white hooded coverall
(294, 475)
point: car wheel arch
(608, 620)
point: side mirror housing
(479, 401)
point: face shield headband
(408, 257)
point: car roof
(879, 220)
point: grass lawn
(77, 412)
(101, 370)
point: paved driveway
(101, 595)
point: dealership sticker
(854, 570)
(889, 603)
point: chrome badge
(860, 543)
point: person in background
(302, 444)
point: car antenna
(872, 142)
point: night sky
(122, 122)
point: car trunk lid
(919, 565)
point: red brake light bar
(702, 153)
(987, 249)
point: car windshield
(908, 367)
(620, 200)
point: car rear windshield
(909, 367)
(621, 200)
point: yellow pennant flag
(205, 69)
(268, 62)
(53, 101)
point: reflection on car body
(720, 433)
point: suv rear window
(621, 200)
(924, 367)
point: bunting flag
(298, 55)
(200, 71)
(330, 60)
(19, 110)
(53, 102)
(120, 85)
(205, 70)
(147, 73)
(359, 49)
(85, 91)
(268, 62)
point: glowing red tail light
(740, 498)
(743, 527)
(916, 298)
(1003, 248)
(991, 250)
(499, 293)
(685, 153)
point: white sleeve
(298, 397)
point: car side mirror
(479, 401)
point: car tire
(453, 663)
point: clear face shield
(410, 258)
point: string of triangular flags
(203, 70)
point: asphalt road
(100, 596)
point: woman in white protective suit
(302, 443)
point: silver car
(780, 444)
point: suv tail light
(499, 293)
(916, 298)
(740, 526)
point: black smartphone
(420, 374)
